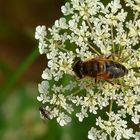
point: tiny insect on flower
(44, 113)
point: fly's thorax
(90, 68)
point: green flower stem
(94, 49)
(18, 72)
(91, 28)
(112, 36)
(111, 104)
(76, 92)
(63, 49)
(110, 138)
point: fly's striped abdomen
(115, 70)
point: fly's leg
(113, 84)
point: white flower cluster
(89, 29)
(115, 126)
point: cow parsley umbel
(89, 29)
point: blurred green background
(21, 67)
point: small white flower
(54, 113)
(122, 15)
(65, 62)
(43, 87)
(82, 114)
(115, 6)
(90, 102)
(63, 119)
(57, 89)
(137, 136)
(47, 74)
(71, 86)
(128, 133)
(61, 23)
(40, 98)
(66, 10)
(92, 134)
(73, 24)
(40, 32)
(42, 47)
(77, 100)
(136, 118)
(43, 98)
